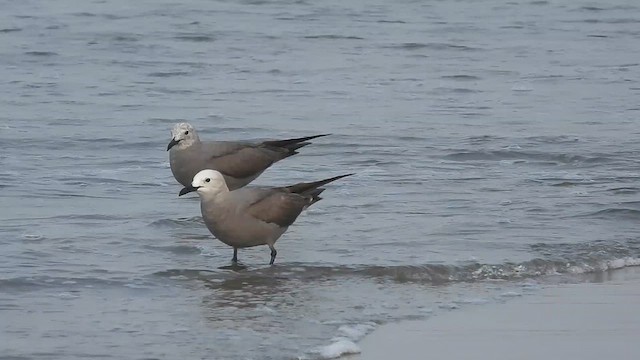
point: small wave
(125, 38)
(456, 90)
(297, 18)
(41, 53)
(499, 155)
(195, 37)
(255, 2)
(391, 21)
(9, 30)
(168, 74)
(162, 90)
(105, 16)
(178, 223)
(433, 46)
(204, 275)
(508, 271)
(93, 140)
(176, 249)
(569, 183)
(605, 21)
(84, 14)
(483, 139)
(162, 120)
(625, 190)
(592, 8)
(53, 194)
(137, 145)
(461, 77)
(559, 139)
(334, 37)
(84, 181)
(99, 217)
(613, 213)
(43, 282)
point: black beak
(187, 189)
(172, 143)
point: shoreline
(594, 319)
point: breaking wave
(553, 259)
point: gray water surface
(491, 141)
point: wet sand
(597, 319)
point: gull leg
(235, 255)
(273, 254)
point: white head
(206, 182)
(182, 135)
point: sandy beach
(596, 319)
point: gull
(251, 216)
(240, 162)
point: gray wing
(276, 205)
(241, 159)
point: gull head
(206, 182)
(182, 135)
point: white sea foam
(508, 294)
(33, 236)
(67, 296)
(356, 332)
(448, 306)
(207, 250)
(472, 301)
(339, 347)
(604, 265)
(623, 262)
(345, 342)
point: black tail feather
(294, 147)
(311, 187)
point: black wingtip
(295, 141)
(321, 135)
(326, 181)
(309, 137)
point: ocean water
(495, 145)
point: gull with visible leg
(251, 216)
(240, 162)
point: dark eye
(186, 132)
(207, 180)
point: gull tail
(312, 189)
(291, 145)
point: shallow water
(491, 142)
